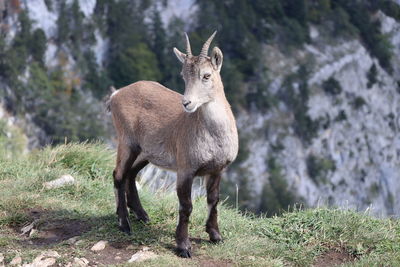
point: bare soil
(114, 253)
(333, 257)
(51, 231)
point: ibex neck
(217, 115)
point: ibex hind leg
(132, 194)
(125, 157)
(212, 229)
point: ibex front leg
(213, 182)
(184, 190)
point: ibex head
(201, 75)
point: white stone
(33, 233)
(72, 240)
(99, 246)
(80, 262)
(28, 228)
(17, 260)
(142, 256)
(79, 242)
(60, 182)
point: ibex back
(194, 135)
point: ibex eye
(206, 76)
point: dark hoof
(124, 226)
(142, 216)
(143, 219)
(183, 253)
(216, 240)
(126, 230)
(215, 236)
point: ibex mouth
(190, 108)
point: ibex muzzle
(199, 139)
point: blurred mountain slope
(314, 85)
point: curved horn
(204, 50)
(188, 49)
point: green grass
(297, 238)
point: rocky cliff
(329, 134)
(353, 157)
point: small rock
(16, 261)
(79, 242)
(145, 248)
(251, 258)
(50, 253)
(26, 229)
(41, 263)
(1, 258)
(33, 233)
(142, 256)
(72, 240)
(99, 246)
(80, 262)
(45, 259)
(117, 258)
(63, 180)
(130, 247)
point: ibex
(193, 135)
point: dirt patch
(333, 257)
(114, 253)
(51, 230)
(57, 231)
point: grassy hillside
(319, 237)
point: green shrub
(377, 43)
(372, 76)
(38, 45)
(293, 33)
(276, 197)
(358, 102)
(297, 101)
(332, 86)
(342, 22)
(319, 168)
(135, 63)
(63, 24)
(341, 116)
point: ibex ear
(216, 58)
(181, 56)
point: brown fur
(152, 126)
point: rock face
(345, 150)
(357, 133)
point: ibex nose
(185, 102)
